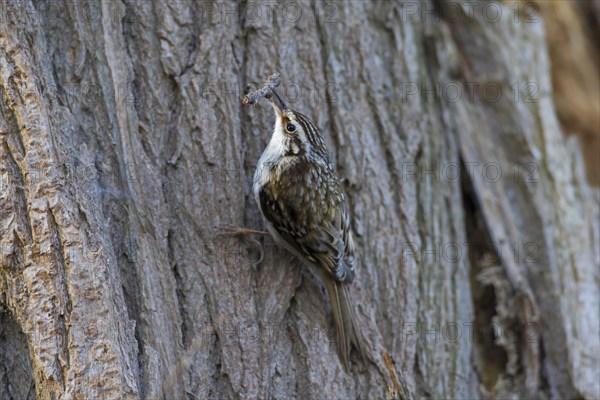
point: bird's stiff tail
(348, 331)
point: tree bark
(124, 145)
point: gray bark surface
(124, 146)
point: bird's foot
(231, 230)
(246, 234)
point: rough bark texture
(124, 144)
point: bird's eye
(290, 128)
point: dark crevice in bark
(20, 146)
(499, 335)
(420, 387)
(126, 254)
(20, 189)
(422, 390)
(60, 256)
(171, 147)
(15, 263)
(490, 359)
(179, 289)
(64, 316)
(16, 374)
(544, 384)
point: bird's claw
(232, 230)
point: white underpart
(272, 156)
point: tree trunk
(124, 146)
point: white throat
(272, 154)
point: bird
(304, 208)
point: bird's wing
(331, 244)
(322, 235)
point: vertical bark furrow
(58, 333)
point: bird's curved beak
(281, 107)
(278, 111)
